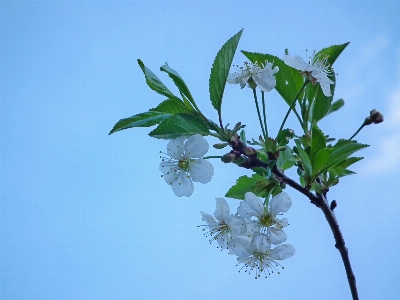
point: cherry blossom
(185, 164)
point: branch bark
(322, 203)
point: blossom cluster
(317, 70)
(250, 233)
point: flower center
(267, 220)
(183, 164)
(321, 63)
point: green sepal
(220, 70)
(180, 125)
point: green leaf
(154, 82)
(318, 141)
(181, 85)
(171, 106)
(304, 158)
(319, 162)
(146, 119)
(243, 185)
(288, 80)
(341, 151)
(286, 159)
(178, 125)
(220, 70)
(284, 136)
(335, 106)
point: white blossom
(267, 220)
(225, 226)
(257, 254)
(263, 76)
(317, 70)
(185, 164)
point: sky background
(85, 215)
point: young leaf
(335, 106)
(304, 158)
(181, 85)
(284, 136)
(243, 185)
(178, 125)
(220, 70)
(145, 119)
(285, 160)
(171, 106)
(154, 82)
(318, 141)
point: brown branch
(321, 202)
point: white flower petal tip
(316, 71)
(253, 75)
(267, 222)
(258, 256)
(224, 228)
(185, 164)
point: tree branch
(318, 200)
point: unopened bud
(333, 205)
(220, 145)
(250, 151)
(228, 158)
(376, 116)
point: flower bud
(220, 145)
(228, 158)
(250, 151)
(376, 116)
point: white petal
(239, 247)
(196, 146)
(298, 63)
(175, 147)
(265, 81)
(171, 175)
(280, 203)
(282, 223)
(325, 83)
(168, 166)
(201, 170)
(209, 220)
(236, 225)
(282, 252)
(222, 209)
(253, 206)
(277, 236)
(259, 243)
(234, 78)
(183, 185)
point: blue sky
(85, 215)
